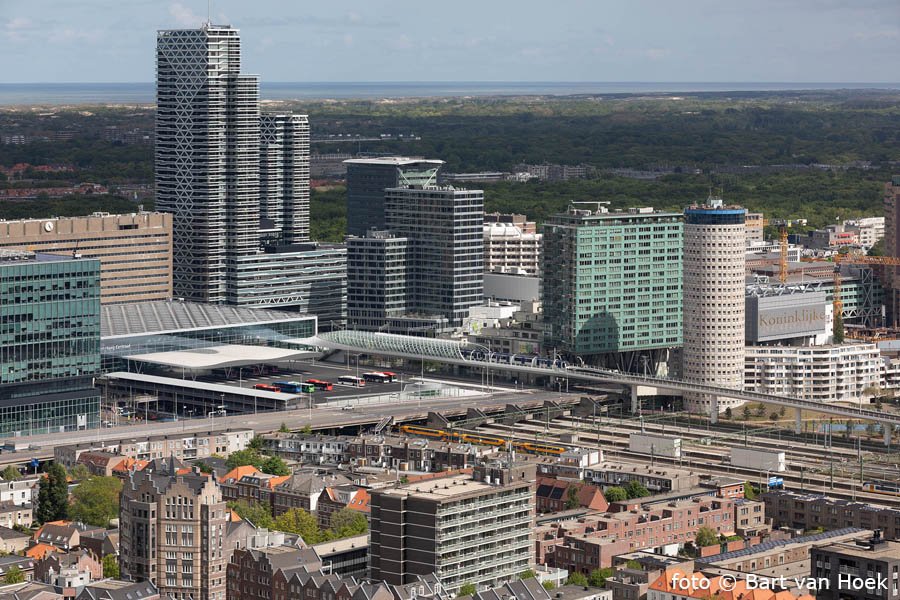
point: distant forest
(858, 132)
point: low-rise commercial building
(654, 478)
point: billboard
(788, 316)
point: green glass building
(49, 343)
(612, 288)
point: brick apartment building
(809, 511)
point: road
(321, 417)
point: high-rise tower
(714, 290)
(237, 184)
(207, 155)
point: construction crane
(851, 259)
(782, 225)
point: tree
(597, 578)
(257, 443)
(782, 411)
(749, 492)
(53, 495)
(10, 473)
(14, 575)
(306, 429)
(96, 500)
(204, 467)
(572, 497)
(302, 523)
(79, 472)
(577, 578)
(255, 512)
(838, 329)
(245, 457)
(746, 412)
(284, 428)
(110, 566)
(274, 465)
(548, 585)
(633, 564)
(467, 589)
(729, 413)
(346, 523)
(760, 410)
(527, 574)
(706, 536)
(615, 494)
(635, 489)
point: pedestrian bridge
(473, 355)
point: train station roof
(391, 343)
(163, 316)
(218, 357)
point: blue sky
(467, 40)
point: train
(482, 440)
(882, 487)
(524, 360)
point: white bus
(351, 380)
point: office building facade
(463, 529)
(509, 248)
(173, 532)
(443, 227)
(368, 178)
(612, 286)
(134, 250)
(714, 290)
(284, 177)
(376, 279)
(49, 343)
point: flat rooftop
(444, 488)
(887, 550)
(393, 160)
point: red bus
(321, 385)
(266, 387)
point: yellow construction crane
(783, 247)
(851, 259)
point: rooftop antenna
(209, 13)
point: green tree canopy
(14, 575)
(256, 512)
(274, 465)
(298, 521)
(635, 489)
(245, 457)
(615, 494)
(577, 578)
(96, 500)
(53, 495)
(706, 536)
(598, 577)
(749, 492)
(111, 566)
(527, 574)
(346, 523)
(10, 473)
(467, 589)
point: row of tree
(344, 523)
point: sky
(468, 40)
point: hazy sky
(468, 40)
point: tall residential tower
(714, 291)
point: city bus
(392, 377)
(377, 377)
(321, 385)
(266, 387)
(351, 380)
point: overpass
(472, 355)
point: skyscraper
(612, 286)
(714, 291)
(284, 176)
(892, 248)
(237, 183)
(207, 155)
(367, 178)
(443, 227)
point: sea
(144, 92)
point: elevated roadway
(471, 355)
